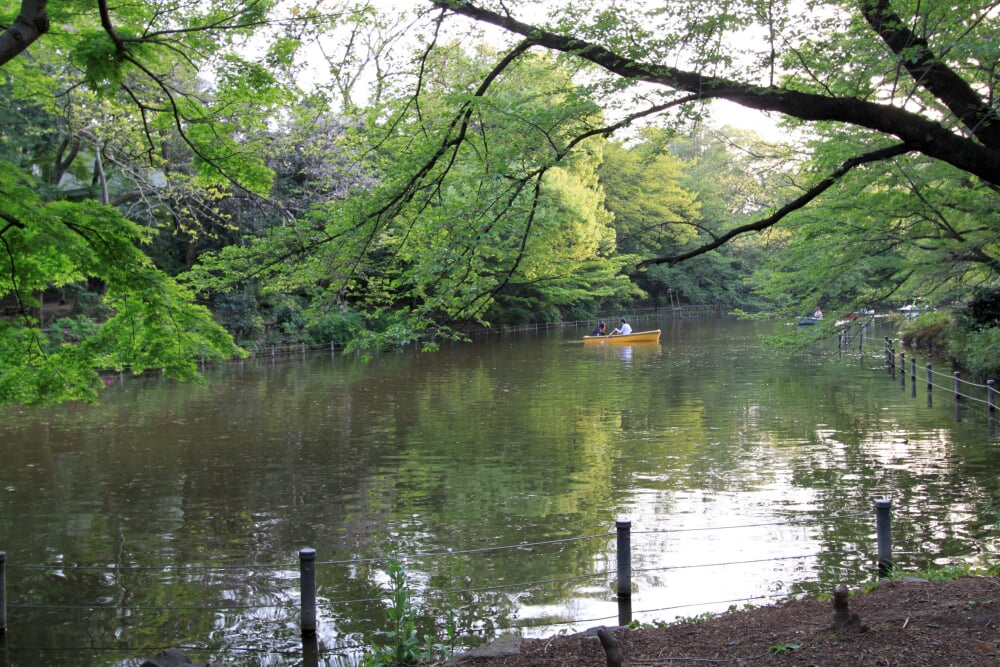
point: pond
(493, 472)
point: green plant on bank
(949, 572)
(929, 332)
(71, 330)
(782, 648)
(969, 335)
(976, 351)
(937, 574)
(402, 643)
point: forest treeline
(180, 182)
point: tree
(125, 124)
(653, 213)
(475, 176)
(920, 80)
(736, 174)
(504, 225)
(29, 24)
(154, 324)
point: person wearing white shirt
(623, 328)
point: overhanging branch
(30, 24)
(920, 134)
(11, 222)
(794, 205)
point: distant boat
(912, 310)
(865, 314)
(805, 321)
(625, 339)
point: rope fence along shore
(966, 394)
(312, 608)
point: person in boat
(818, 315)
(600, 329)
(624, 328)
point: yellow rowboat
(625, 339)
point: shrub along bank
(968, 336)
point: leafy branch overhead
(372, 174)
(937, 113)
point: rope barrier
(113, 568)
(429, 554)
(959, 387)
(102, 607)
(791, 522)
(288, 608)
(738, 562)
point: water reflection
(625, 352)
(746, 473)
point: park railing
(967, 395)
(311, 609)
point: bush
(289, 315)
(238, 312)
(88, 301)
(289, 323)
(929, 332)
(979, 351)
(984, 308)
(337, 328)
(71, 330)
(970, 338)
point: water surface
(173, 515)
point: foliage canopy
(389, 170)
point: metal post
(883, 529)
(958, 385)
(624, 557)
(310, 651)
(913, 378)
(930, 386)
(902, 370)
(624, 548)
(991, 395)
(3, 592)
(624, 611)
(307, 584)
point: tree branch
(30, 24)
(11, 222)
(931, 73)
(794, 205)
(920, 134)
